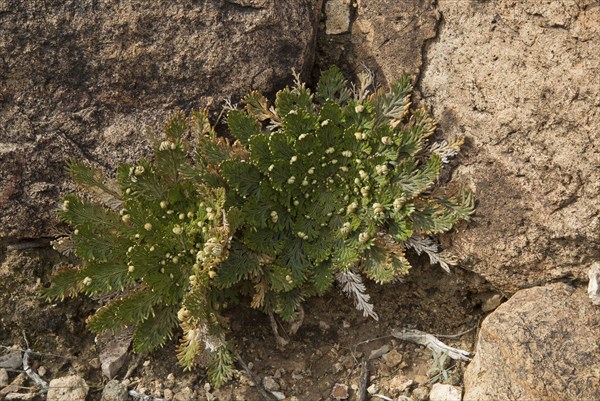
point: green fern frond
(333, 86)
(220, 368)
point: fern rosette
(150, 243)
(339, 184)
(322, 187)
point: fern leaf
(240, 264)
(220, 368)
(241, 176)
(65, 282)
(352, 285)
(155, 330)
(323, 278)
(242, 125)
(294, 100)
(377, 265)
(333, 86)
(126, 310)
(392, 106)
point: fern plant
(151, 243)
(319, 188)
(338, 186)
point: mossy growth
(320, 188)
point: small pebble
(41, 371)
(377, 353)
(340, 391)
(95, 363)
(12, 360)
(420, 394)
(491, 303)
(114, 391)
(170, 377)
(168, 394)
(3, 378)
(400, 383)
(146, 363)
(445, 392)
(184, 395)
(270, 384)
(392, 358)
(324, 326)
(72, 388)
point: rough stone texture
(337, 14)
(340, 391)
(68, 388)
(11, 360)
(386, 36)
(520, 80)
(114, 391)
(420, 394)
(542, 344)
(445, 392)
(3, 378)
(82, 79)
(113, 351)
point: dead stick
(363, 382)
(255, 379)
(428, 340)
(458, 335)
(280, 341)
(32, 375)
(133, 367)
(32, 352)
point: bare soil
(325, 351)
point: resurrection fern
(151, 245)
(318, 188)
(339, 185)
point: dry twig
(255, 379)
(32, 375)
(132, 367)
(428, 340)
(280, 341)
(363, 382)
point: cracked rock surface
(540, 345)
(521, 79)
(83, 79)
(386, 36)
